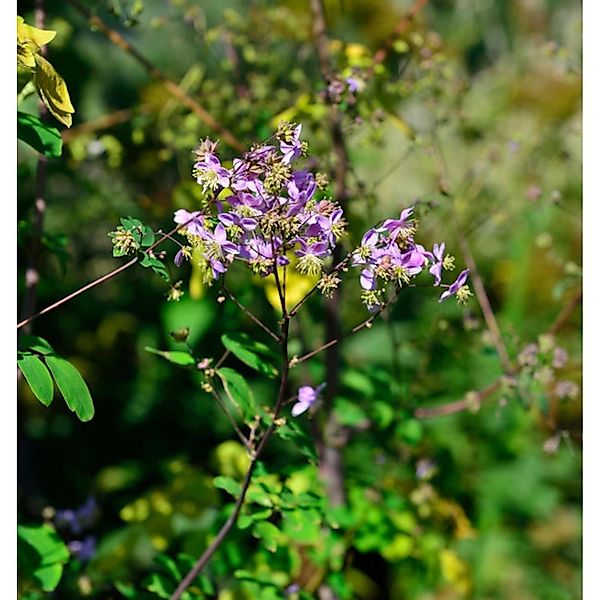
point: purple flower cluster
(389, 254)
(267, 212)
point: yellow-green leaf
(26, 33)
(53, 91)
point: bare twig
(96, 282)
(250, 314)
(116, 38)
(474, 399)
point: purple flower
(230, 218)
(353, 84)
(78, 519)
(210, 174)
(436, 268)
(192, 221)
(460, 281)
(396, 226)
(292, 149)
(218, 248)
(307, 396)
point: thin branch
(250, 314)
(474, 399)
(227, 526)
(116, 38)
(230, 418)
(401, 27)
(485, 305)
(367, 323)
(104, 122)
(96, 282)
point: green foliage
(474, 116)
(238, 391)
(40, 364)
(41, 557)
(41, 137)
(251, 353)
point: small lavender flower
(193, 221)
(210, 174)
(436, 268)
(307, 396)
(291, 148)
(456, 286)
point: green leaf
(292, 431)
(53, 91)
(38, 377)
(37, 344)
(72, 387)
(160, 585)
(41, 137)
(41, 555)
(230, 485)
(238, 391)
(268, 534)
(251, 352)
(157, 266)
(348, 413)
(411, 431)
(178, 357)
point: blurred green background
(475, 117)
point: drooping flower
(456, 286)
(193, 221)
(307, 396)
(436, 267)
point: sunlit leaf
(53, 91)
(72, 387)
(38, 377)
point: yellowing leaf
(297, 286)
(455, 571)
(27, 33)
(53, 91)
(25, 56)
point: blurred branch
(330, 463)
(105, 122)
(401, 27)
(484, 303)
(32, 275)
(118, 40)
(473, 400)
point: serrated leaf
(72, 387)
(53, 91)
(251, 352)
(230, 485)
(38, 377)
(41, 137)
(178, 357)
(238, 392)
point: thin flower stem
(96, 282)
(254, 456)
(355, 329)
(229, 416)
(314, 288)
(250, 314)
(222, 359)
